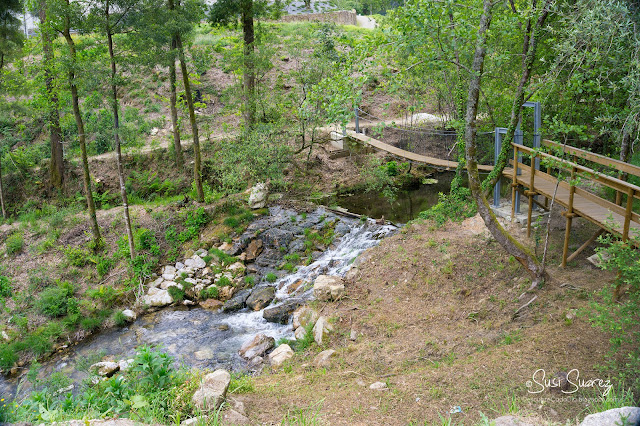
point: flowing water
(206, 339)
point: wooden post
(627, 215)
(514, 183)
(569, 215)
(621, 176)
(530, 194)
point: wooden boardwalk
(614, 217)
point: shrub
(5, 286)
(153, 368)
(456, 206)
(223, 281)
(14, 243)
(57, 301)
(77, 256)
(271, 277)
(249, 280)
(210, 292)
(8, 356)
(176, 293)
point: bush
(176, 293)
(5, 286)
(57, 301)
(14, 243)
(210, 292)
(271, 277)
(120, 319)
(77, 256)
(456, 206)
(153, 368)
(621, 317)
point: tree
(228, 12)
(68, 15)
(56, 165)
(110, 18)
(10, 41)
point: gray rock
(166, 284)
(125, 364)
(378, 386)
(300, 333)
(269, 258)
(179, 266)
(129, 315)
(198, 262)
(157, 297)
(323, 359)
(201, 252)
(280, 355)
(304, 316)
(169, 270)
(321, 329)
(195, 421)
(237, 301)
(212, 391)
(257, 346)
(277, 237)
(259, 196)
(327, 287)
(232, 417)
(296, 245)
(281, 312)
(625, 416)
(260, 297)
(105, 368)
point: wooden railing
(610, 216)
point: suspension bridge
(583, 183)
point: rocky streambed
(203, 309)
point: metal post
(357, 121)
(498, 132)
(518, 139)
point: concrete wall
(341, 17)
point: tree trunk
(4, 211)
(173, 97)
(116, 125)
(249, 74)
(509, 243)
(192, 118)
(56, 164)
(174, 110)
(95, 229)
(529, 47)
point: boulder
(168, 277)
(194, 421)
(179, 266)
(212, 304)
(321, 329)
(255, 362)
(129, 315)
(327, 287)
(156, 282)
(226, 247)
(277, 237)
(157, 297)
(105, 368)
(201, 252)
(304, 316)
(237, 301)
(260, 297)
(166, 284)
(169, 270)
(226, 292)
(259, 196)
(198, 263)
(237, 269)
(254, 249)
(300, 333)
(125, 364)
(281, 312)
(280, 355)
(323, 359)
(203, 354)
(257, 346)
(232, 417)
(625, 416)
(212, 391)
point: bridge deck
(436, 162)
(596, 210)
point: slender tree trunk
(529, 47)
(56, 164)
(509, 243)
(174, 110)
(4, 211)
(116, 125)
(173, 99)
(249, 74)
(192, 118)
(95, 229)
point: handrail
(632, 191)
(596, 158)
(610, 181)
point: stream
(202, 338)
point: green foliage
(456, 206)
(147, 186)
(106, 294)
(120, 319)
(152, 368)
(271, 277)
(241, 383)
(383, 177)
(14, 243)
(194, 221)
(223, 281)
(210, 292)
(77, 256)
(223, 258)
(176, 293)
(620, 317)
(57, 301)
(5, 287)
